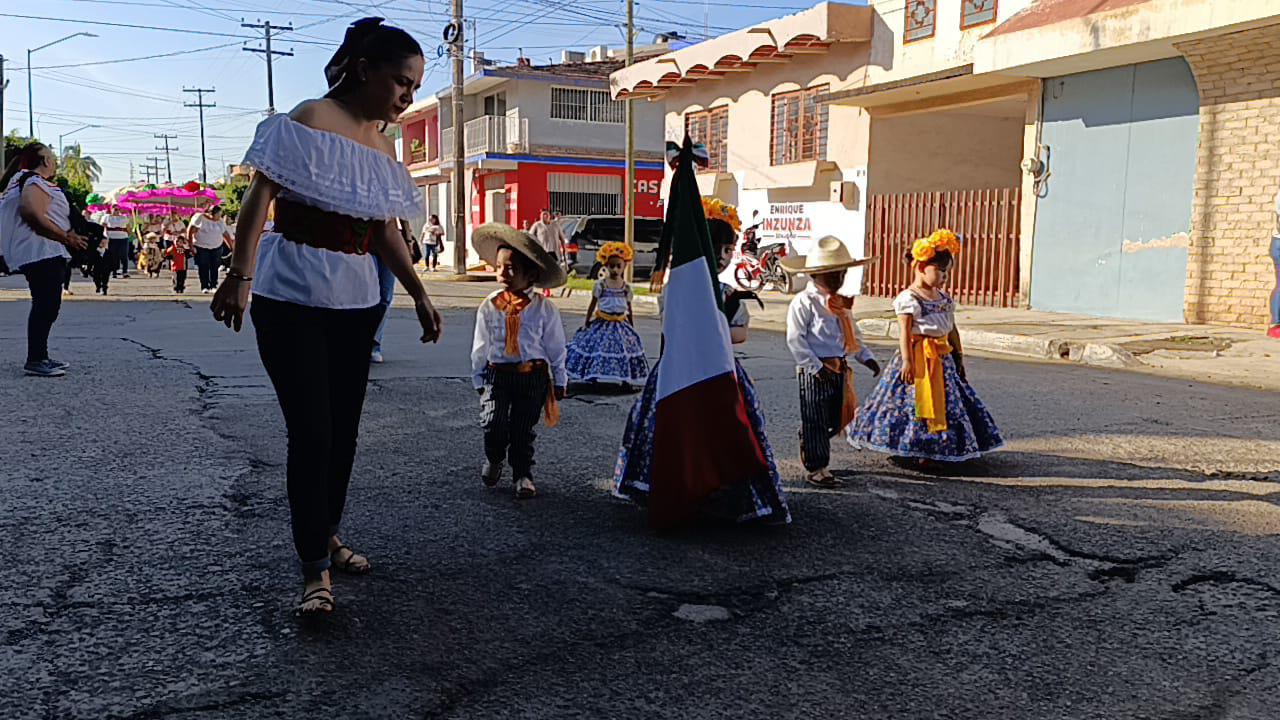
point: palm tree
(81, 168)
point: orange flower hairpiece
(614, 249)
(942, 240)
(716, 209)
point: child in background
(923, 407)
(178, 253)
(607, 348)
(821, 335)
(518, 353)
(149, 256)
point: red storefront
(571, 187)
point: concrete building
(1108, 157)
(795, 167)
(536, 136)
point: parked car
(586, 233)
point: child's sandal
(323, 599)
(525, 489)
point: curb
(1084, 353)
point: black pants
(118, 255)
(66, 280)
(179, 281)
(207, 262)
(318, 361)
(44, 278)
(821, 400)
(510, 405)
(102, 271)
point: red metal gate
(987, 221)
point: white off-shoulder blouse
(333, 173)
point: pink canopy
(168, 196)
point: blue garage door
(1113, 218)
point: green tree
(79, 167)
(231, 195)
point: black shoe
(43, 368)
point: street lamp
(62, 149)
(31, 114)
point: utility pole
(629, 214)
(200, 103)
(153, 164)
(4, 84)
(266, 29)
(168, 165)
(460, 204)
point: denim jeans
(44, 278)
(207, 262)
(386, 293)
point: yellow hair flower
(716, 209)
(942, 240)
(614, 249)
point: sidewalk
(1208, 353)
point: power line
(187, 31)
(269, 53)
(134, 59)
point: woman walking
(432, 243)
(35, 222)
(339, 194)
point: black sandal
(321, 595)
(347, 566)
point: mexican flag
(703, 441)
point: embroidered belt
(551, 410)
(322, 229)
(601, 315)
(931, 393)
(849, 404)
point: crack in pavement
(1222, 577)
(1035, 545)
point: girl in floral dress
(608, 348)
(924, 407)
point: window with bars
(711, 128)
(977, 12)
(586, 105)
(920, 19)
(798, 127)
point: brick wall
(1230, 275)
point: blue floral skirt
(607, 351)
(887, 421)
(762, 498)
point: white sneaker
(204, 291)
(376, 358)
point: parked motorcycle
(755, 273)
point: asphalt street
(1117, 560)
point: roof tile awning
(808, 32)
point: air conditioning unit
(598, 53)
(572, 56)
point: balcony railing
(506, 135)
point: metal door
(1112, 217)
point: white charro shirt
(541, 338)
(813, 332)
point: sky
(115, 84)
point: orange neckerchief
(840, 306)
(512, 304)
(931, 394)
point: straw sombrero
(828, 255)
(489, 237)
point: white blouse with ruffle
(333, 173)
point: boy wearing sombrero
(518, 354)
(821, 335)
